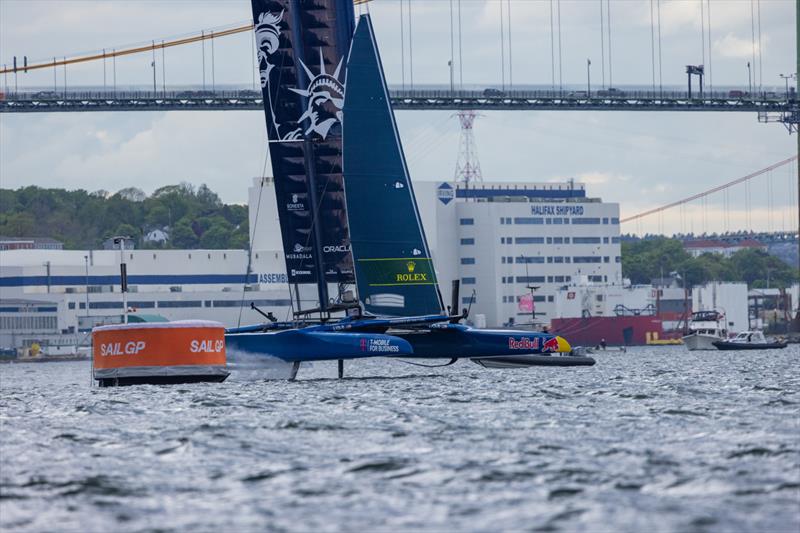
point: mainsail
(301, 49)
(394, 271)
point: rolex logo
(411, 266)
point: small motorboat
(749, 340)
(705, 328)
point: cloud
(736, 47)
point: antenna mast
(468, 167)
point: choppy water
(652, 440)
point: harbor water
(655, 439)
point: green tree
(182, 235)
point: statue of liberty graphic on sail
(325, 93)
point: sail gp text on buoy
(119, 348)
(207, 346)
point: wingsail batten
(301, 49)
(394, 271)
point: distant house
(109, 244)
(699, 247)
(30, 243)
(156, 236)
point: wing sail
(394, 271)
(301, 47)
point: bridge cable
(603, 45)
(744, 179)
(660, 77)
(213, 68)
(510, 64)
(460, 57)
(410, 47)
(452, 46)
(560, 70)
(113, 66)
(104, 70)
(163, 70)
(652, 46)
(502, 47)
(608, 15)
(203, 45)
(753, 45)
(403, 45)
(760, 63)
(708, 19)
(702, 37)
(552, 50)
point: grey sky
(638, 159)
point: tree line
(645, 260)
(192, 217)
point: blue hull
(359, 339)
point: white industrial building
(498, 239)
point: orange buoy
(186, 351)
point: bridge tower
(468, 167)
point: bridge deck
(202, 100)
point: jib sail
(394, 271)
(301, 47)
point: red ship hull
(616, 330)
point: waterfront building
(514, 245)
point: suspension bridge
(771, 104)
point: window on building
(618, 259)
(467, 242)
(605, 220)
(467, 221)
(586, 240)
(529, 240)
(586, 259)
(529, 259)
(615, 220)
(530, 279)
(615, 240)
(105, 305)
(178, 303)
(142, 305)
(528, 220)
(468, 281)
(549, 259)
(71, 305)
(467, 260)
(586, 220)
(596, 279)
(549, 240)
(508, 220)
(558, 259)
(559, 279)
(549, 279)
(606, 259)
(550, 299)
(466, 300)
(605, 240)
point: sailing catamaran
(347, 209)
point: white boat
(749, 340)
(705, 328)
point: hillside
(191, 217)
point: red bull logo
(523, 344)
(550, 345)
